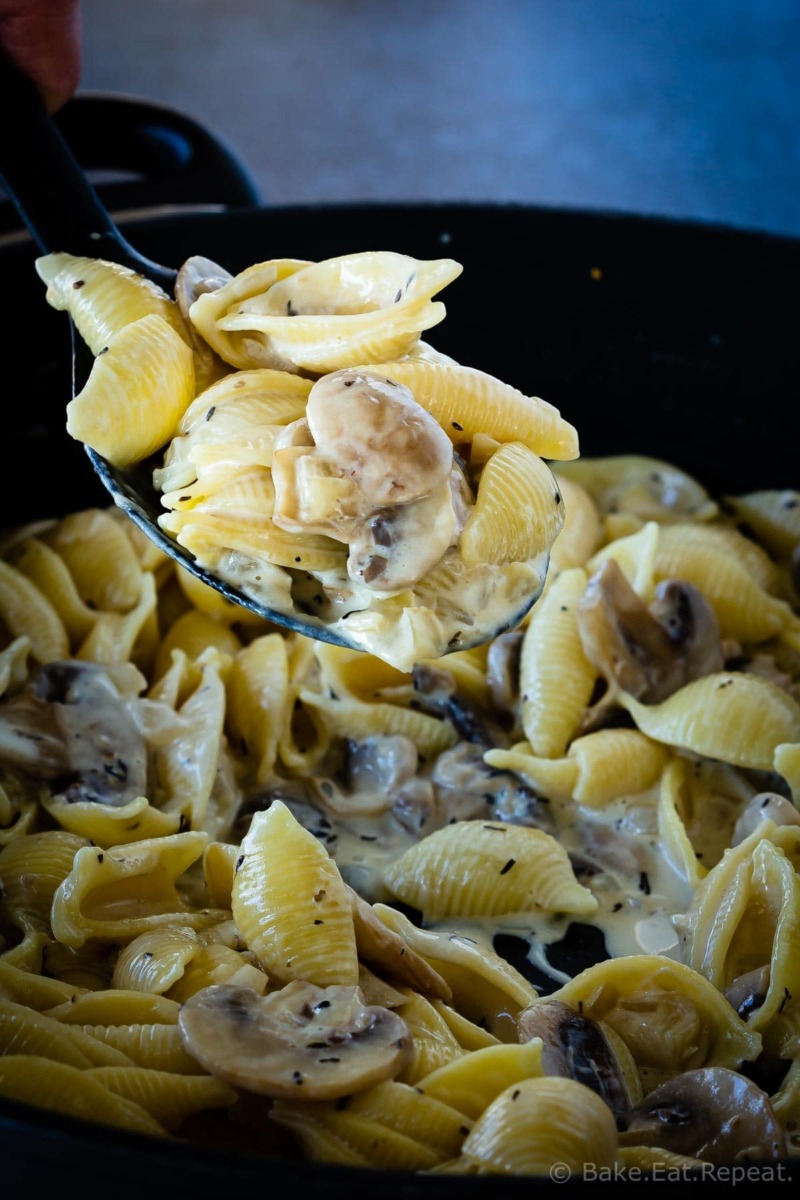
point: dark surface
(653, 337)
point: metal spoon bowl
(64, 213)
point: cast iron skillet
(671, 339)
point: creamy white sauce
(636, 904)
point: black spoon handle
(48, 188)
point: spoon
(63, 212)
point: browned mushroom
(653, 652)
(713, 1114)
(302, 1042)
(574, 1047)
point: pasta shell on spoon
(320, 317)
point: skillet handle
(176, 159)
(50, 191)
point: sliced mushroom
(302, 1042)
(197, 277)
(467, 787)
(435, 688)
(649, 653)
(71, 728)
(502, 670)
(385, 950)
(383, 762)
(765, 805)
(415, 807)
(301, 796)
(713, 1114)
(379, 475)
(749, 991)
(574, 1048)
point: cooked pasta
(477, 913)
(322, 462)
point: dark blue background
(689, 108)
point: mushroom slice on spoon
(302, 1042)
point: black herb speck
(78, 284)
(239, 861)
(330, 1059)
(617, 906)
(644, 883)
(211, 412)
(297, 1077)
(456, 425)
(508, 866)
(100, 858)
(117, 770)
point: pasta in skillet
(323, 463)
(476, 914)
(152, 932)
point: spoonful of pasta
(287, 435)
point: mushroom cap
(375, 429)
(713, 1114)
(302, 1042)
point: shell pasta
(529, 905)
(309, 449)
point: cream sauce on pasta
(637, 890)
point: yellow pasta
(689, 1023)
(200, 812)
(539, 1124)
(120, 893)
(713, 716)
(468, 403)
(323, 316)
(103, 297)
(298, 923)
(27, 613)
(556, 678)
(32, 1079)
(480, 868)
(518, 510)
(126, 424)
